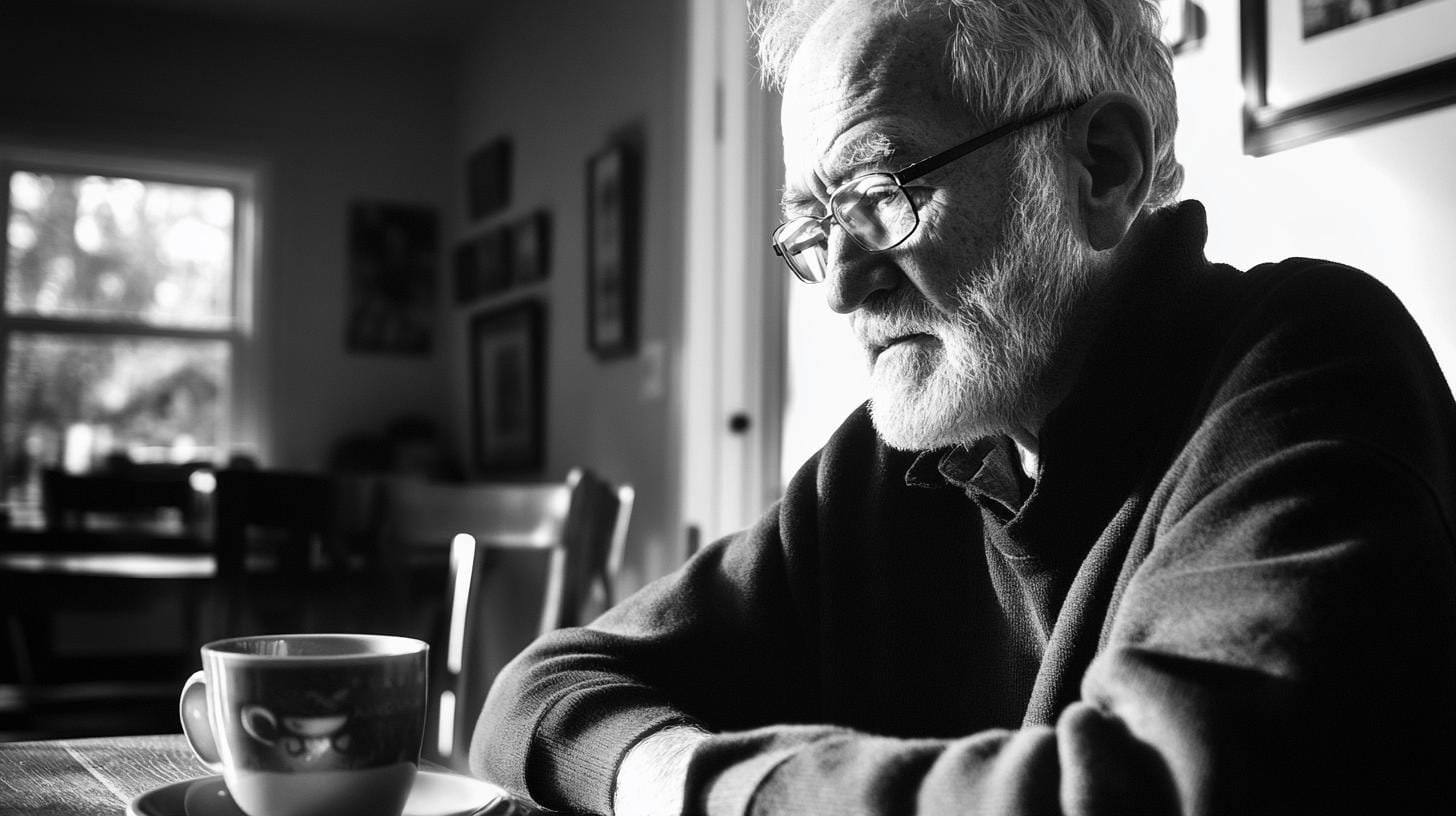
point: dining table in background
(31, 578)
(100, 776)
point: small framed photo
(482, 266)
(531, 248)
(493, 249)
(613, 199)
(507, 358)
(488, 178)
(393, 252)
(1318, 68)
(1184, 24)
(466, 273)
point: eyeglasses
(873, 209)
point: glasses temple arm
(939, 160)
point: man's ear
(1110, 151)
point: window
(123, 325)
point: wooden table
(99, 777)
(90, 776)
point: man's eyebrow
(795, 202)
(868, 150)
(856, 156)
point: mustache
(878, 324)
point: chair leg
(19, 649)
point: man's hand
(653, 773)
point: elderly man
(1120, 531)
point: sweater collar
(1093, 432)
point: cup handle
(192, 708)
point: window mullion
(63, 325)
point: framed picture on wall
(1318, 68)
(482, 265)
(393, 251)
(531, 248)
(488, 178)
(507, 385)
(465, 272)
(493, 256)
(1184, 24)
(613, 198)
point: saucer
(433, 794)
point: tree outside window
(120, 322)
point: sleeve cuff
(595, 727)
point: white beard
(991, 369)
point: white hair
(1010, 58)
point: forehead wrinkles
(863, 61)
(880, 49)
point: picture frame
(507, 388)
(482, 266)
(488, 178)
(393, 252)
(613, 223)
(531, 248)
(1185, 22)
(493, 251)
(465, 267)
(1311, 71)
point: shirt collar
(986, 470)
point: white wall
(559, 82)
(1381, 198)
(333, 120)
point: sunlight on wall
(825, 377)
(1325, 200)
(1375, 198)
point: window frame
(242, 429)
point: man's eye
(919, 196)
(879, 192)
(885, 197)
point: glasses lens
(874, 210)
(803, 243)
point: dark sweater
(1231, 590)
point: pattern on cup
(325, 718)
(308, 739)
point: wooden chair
(276, 547)
(146, 500)
(523, 559)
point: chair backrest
(524, 559)
(297, 508)
(298, 505)
(135, 494)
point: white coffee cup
(310, 725)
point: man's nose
(854, 273)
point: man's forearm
(652, 775)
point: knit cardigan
(1231, 591)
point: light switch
(653, 355)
